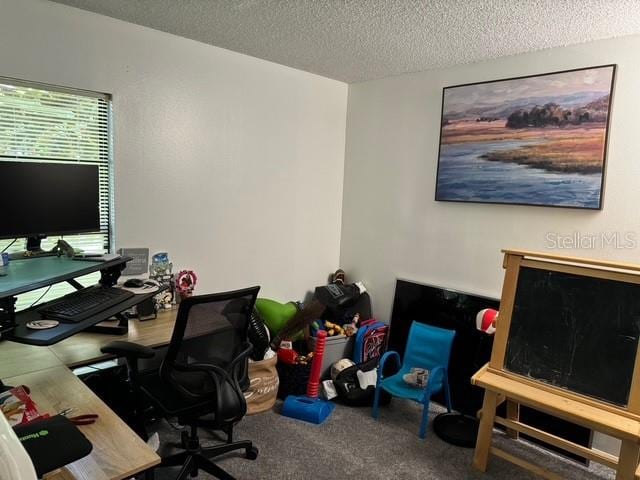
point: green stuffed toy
(276, 315)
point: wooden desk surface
(84, 348)
(118, 453)
(17, 358)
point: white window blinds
(42, 123)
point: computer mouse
(134, 283)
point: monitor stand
(33, 244)
(34, 249)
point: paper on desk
(141, 290)
(18, 407)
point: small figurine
(185, 283)
(350, 329)
(160, 271)
(160, 265)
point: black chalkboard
(575, 332)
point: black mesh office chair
(202, 376)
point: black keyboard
(80, 305)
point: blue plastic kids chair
(428, 347)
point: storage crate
(337, 347)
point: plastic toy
(160, 265)
(160, 271)
(486, 320)
(417, 377)
(340, 365)
(304, 359)
(310, 408)
(333, 329)
(349, 329)
(294, 328)
(338, 277)
(287, 356)
(275, 314)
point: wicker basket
(261, 394)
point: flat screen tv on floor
(454, 310)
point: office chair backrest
(428, 346)
(209, 329)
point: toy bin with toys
(337, 347)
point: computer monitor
(39, 199)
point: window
(55, 124)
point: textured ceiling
(357, 40)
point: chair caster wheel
(251, 453)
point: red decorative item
(185, 283)
(287, 356)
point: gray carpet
(353, 445)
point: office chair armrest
(201, 366)
(224, 406)
(207, 368)
(129, 350)
(383, 361)
(216, 373)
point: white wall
(392, 227)
(232, 164)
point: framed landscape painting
(535, 140)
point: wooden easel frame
(619, 421)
